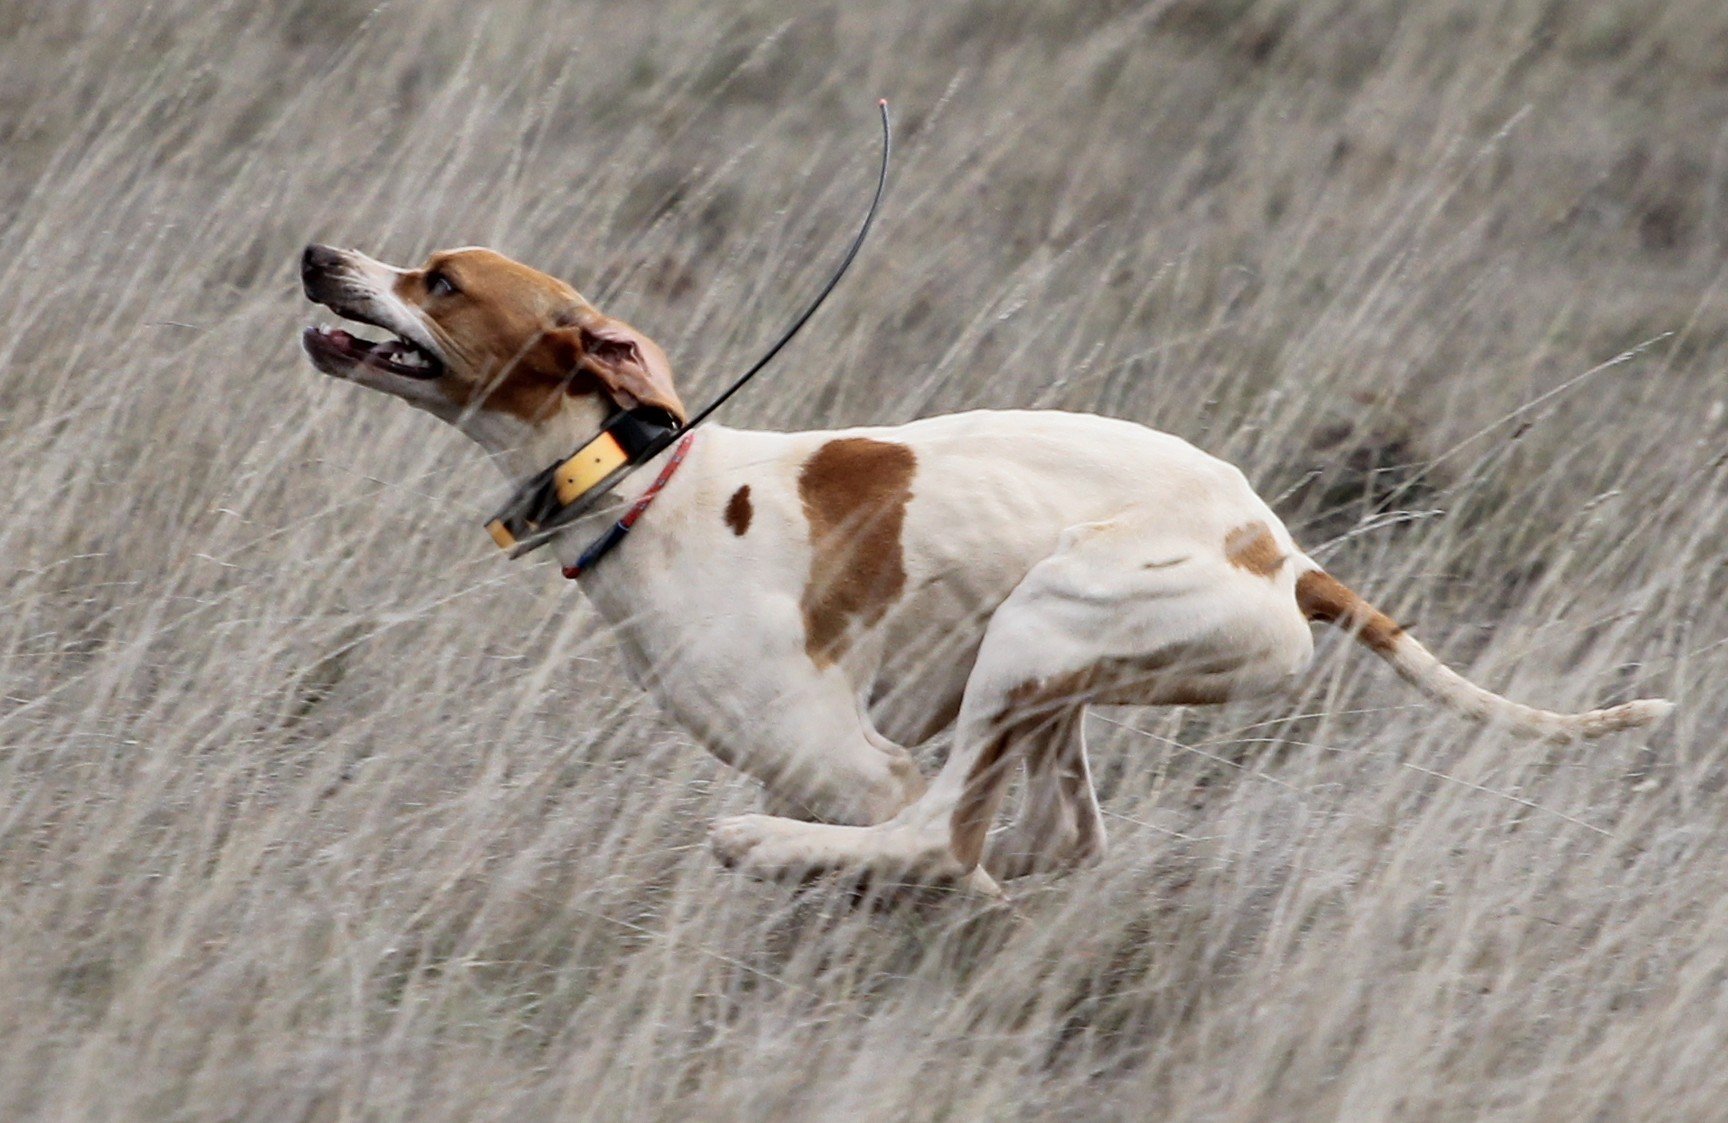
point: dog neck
(522, 451)
(520, 448)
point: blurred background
(312, 807)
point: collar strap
(561, 493)
(615, 533)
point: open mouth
(396, 355)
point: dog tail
(1325, 599)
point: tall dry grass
(311, 807)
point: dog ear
(631, 367)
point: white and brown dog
(810, 603)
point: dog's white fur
(996, 570)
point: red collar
(615, 533)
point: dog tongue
(341, 338)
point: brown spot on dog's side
(855, 492)
(1324, 598)
(739, 511)
(1252, 547)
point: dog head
(477, 337)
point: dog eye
(437, 284)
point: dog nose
(316, 259)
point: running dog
(808, 604)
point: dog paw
(733, 840)
(776, 849)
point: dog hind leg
(1059, 825)
(1112, 615)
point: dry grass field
(312, 807)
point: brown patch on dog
(1036, 708)
(855, 492)
(1325, 599)
(1030, 707)
(1166, 678)
(969, 824)
(527, 392)
(518, 341)
(498, 324)
(987, 780)
(1252, 547)
(739, 511)
(1169, 677)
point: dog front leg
(814, 752)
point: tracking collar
(564, 491)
